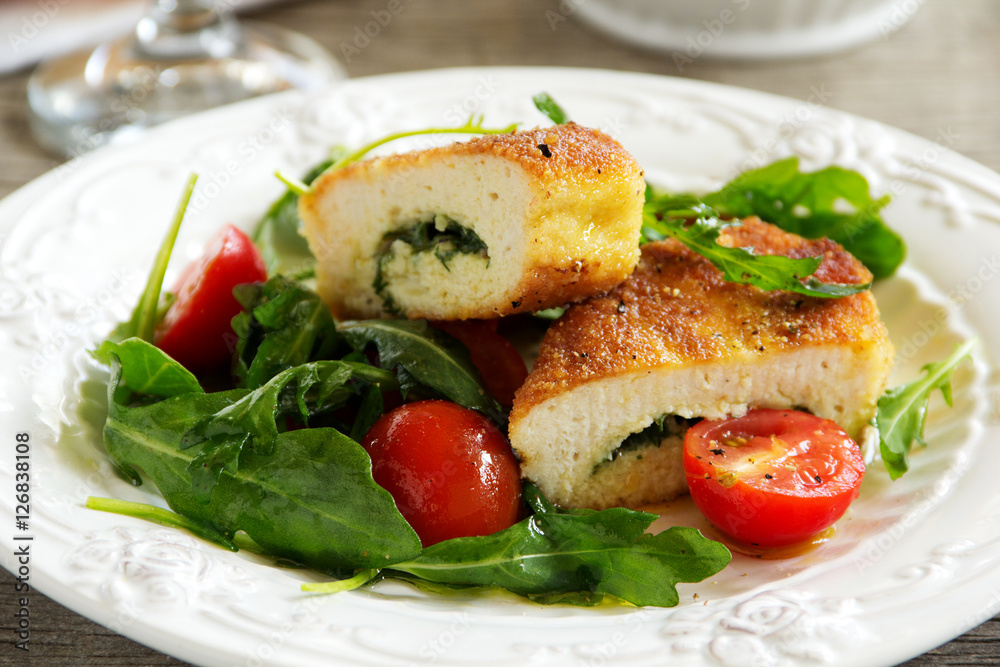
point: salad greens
(147, 311)
(218, 459)
(160, 516)
(833, 202)
(570, 556)
(671, 216)
(425, 357)
(272, 463)
(284, 249)
(283, 325)
(902, 411)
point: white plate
(77, 246)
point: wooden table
(940, 72)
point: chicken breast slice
(497, 225)
(677, 340)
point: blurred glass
(184, 56)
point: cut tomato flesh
(772, 477)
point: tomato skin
(449, 469)
(196, 330)
(498, 361)
(772, 478)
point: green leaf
(834, 202)
(575, 556)
(670, 217)
(432, 358)
(550, 314)
(160, 516)
(312, 500)
(902, 411)
(146, 314)
(341, 585)
(372, 407)
(283, 325)
(251, 422)
(148, 370)
(549, 107)
(295, 186)
(278, 234)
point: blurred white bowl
(745, 28)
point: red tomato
(196, 330)
(772, 477)
(498, 361)
(449, 469)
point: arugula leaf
(283, 325)
(902, 411)
(148, 370)
(160, 516)
(313, 500)
(251, 422)
(372, 407)
(832, 202)
(549, 107)
(671, 216)
(341, 585)
(278, 234)
(575, 556)
(550, 314)
(429, 356)
(145, 316)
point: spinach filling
(440, 235)
(653, 435)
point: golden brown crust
(676, 309)
(559, 209)
(570, 151)
(550, 286)
(555, 152)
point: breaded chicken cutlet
(675, 342)
(497, 225)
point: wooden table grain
(939, 73)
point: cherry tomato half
(499, 362)
(449, 469)
(196, 330)
(772, 477)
